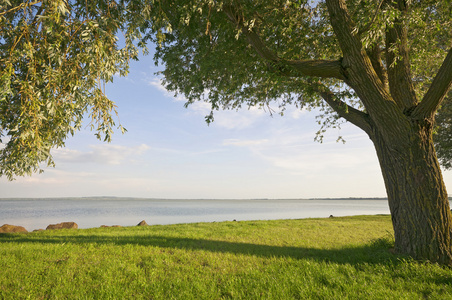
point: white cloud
(244, 143)
(101, 154)
(291, 111)
(287, 150)
(58, 183)
(200, 108)
(317, 161)
(230, 119)
(158, 84)
(52, 177)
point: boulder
(64, 225)
(6, 228)
(106, 226)
(142, 223)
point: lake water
(94, 212)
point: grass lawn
(334, 258)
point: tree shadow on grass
(372, 253)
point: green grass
(335, 258)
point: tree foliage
(235, 53)
(55, 57)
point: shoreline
(144, 224)
(108, 198)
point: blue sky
(170, 152)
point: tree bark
(417, 196)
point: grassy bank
(335, 258)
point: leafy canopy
(55, 55)
(253, 53)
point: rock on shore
(142, 223)
(64, 225)
(6, 228)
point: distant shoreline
(188, 199)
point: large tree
(382, 65)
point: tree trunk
(417, 196)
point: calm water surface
(94, 212)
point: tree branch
(352, 115)
(437, 91)
(362, 77)
(375, 58)
(316, 68)
(399, 74)
(358, 67)
(21, 6)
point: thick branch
(437, 91)
(352, 115)
(359, 70)
(316, 68)
(375, 58)
(362, 77)
(399, 74)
